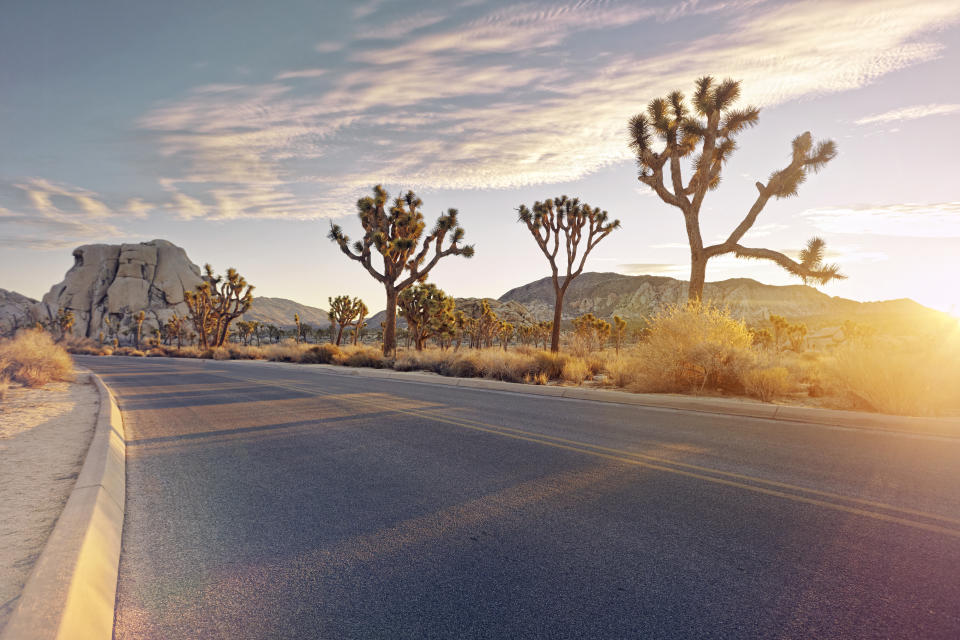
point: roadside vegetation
(32, 359)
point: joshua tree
(619, 330)
(296, 321)
(344, 311)
(581, 226)
(711, 131)
(395, 233)
(174, 330)
(216, 303)
(139, 319)
(427, 310)
(591, 332)
(64, 322)
(505, 332)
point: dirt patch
(44, 436)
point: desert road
(285, 501)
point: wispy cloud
(934, 220)
(910, 113)
(53, 215)
(521, 95)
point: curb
(943, 427)
(71, 592)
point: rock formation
(14, 311)
(114, 282)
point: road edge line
(71, 592)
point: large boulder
(14, 311)
(113, 283)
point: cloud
(522, 95)
(910, 113)
(51, 215)
(934, 220)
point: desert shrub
(220, 353)
(33, 359)
(623, 371)
(128, 351)
(536, 378)
(508, 366)
(156, 352)
(693, 347)
(549, 364)
(905, 377)
(465, 365)
(4, 386)
(767, 383)
(575, 370)
(361, 356)
(325, 353)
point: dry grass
(693, 349)
(33, 359)
(575, 370)
(768, 383)
(4, 386)
(905, 377)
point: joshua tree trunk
(390, 323)
(559, 292)
(698, 275)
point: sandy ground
(44, 436)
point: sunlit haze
(239, 130)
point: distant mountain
(280, 311)
(607, 294)
(14, 311)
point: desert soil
(44, 436)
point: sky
(239, 130)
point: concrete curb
(944, 427)
(72, 590)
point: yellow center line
(696, 471)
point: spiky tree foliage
(396, 233)
(360, 322)
(174, 330)
(504, 333)
(619, 331)
(245, 329)
(707, 135)
(487, 325)
(139, 318)
(575, 226)
(427, 309)
(345, 312)
(216, 303)
(64, 322)
(591, 332)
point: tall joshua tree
(396, 233)
(710, 130)
(576, 226)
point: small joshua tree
(427, 310)
(579, 228)
(64, 322)
(344, 311)
(712, 129)
(174, 330)
(216, 303)
(139, 318)
(505, 333)
(396, 234)
(360, 322)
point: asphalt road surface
(285, 501)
